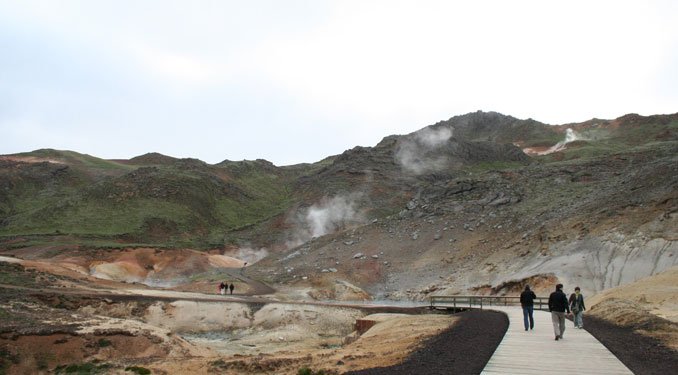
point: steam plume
(327, 216)
(570, 136)
(414, 154)
(250, 255)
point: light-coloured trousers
(558, 319)
(578, 321)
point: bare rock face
(594, 263)
(339, 290)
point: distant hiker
(557, 306)
(231, 287)
(222, 288)
(527, 302)
(577, 307)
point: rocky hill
(481, 202)
(598, 210)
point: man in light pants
(557, 306)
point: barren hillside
(112, 263)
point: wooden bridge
(536, 351)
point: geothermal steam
(570, 136)
(327, 216)
(330, 214)
(414, 154)
(250, 255)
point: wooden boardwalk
(537, 351)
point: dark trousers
(527, 315)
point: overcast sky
(296, 81)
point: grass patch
(42, 360)
(7, 359)
(83, 368)
(168, 206)
(103, 343)
(16, 274)
(307, 371)
(72, 157)
(138, 370)
(493, 165)
(218, 363)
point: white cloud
(344, 72)
(178, 68)
(382, 59)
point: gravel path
(641, 354)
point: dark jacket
(577, 303)
(558, 302)
(527, 298)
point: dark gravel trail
(464, 348)
(641, 354)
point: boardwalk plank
(536, 351)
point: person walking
(577, 306)
(527, 298)
(557, 306)
(231, 287)
(222, 288)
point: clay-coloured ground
(648, 306)
(56, 314)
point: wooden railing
(470, 302)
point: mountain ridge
(202, 201)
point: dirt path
(152, 295)
(259, 288)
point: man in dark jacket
(557, 306)
(527, 302)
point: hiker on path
(231, 287)
(557, 306)
(222, 288)
(577, 306)
(527, 302)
